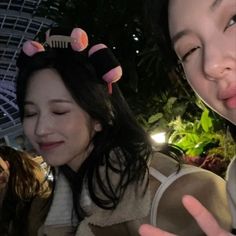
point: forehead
(188, 13)
(193, 4)
(46, 83)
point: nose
(43, 126)
(219, 61)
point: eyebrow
(51, 101)
(180, 34)
(215, 4)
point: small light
(159, 137)
(137, 51)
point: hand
(204, 218)
(148, 230)
(4, 174)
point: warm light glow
(159, 137)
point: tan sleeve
(207, 187)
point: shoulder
(167, 210)
(231, 188)
(166, 170)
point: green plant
(156, 112)
(205, 143)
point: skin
(207, 222)
(203, 34)
(58, 128)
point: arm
(203, 217)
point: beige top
(135, 208)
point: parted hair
(121, 147)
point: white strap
(157, 175)
(231, 188)
(168, 181)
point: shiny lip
(45, 146)
(229, 93)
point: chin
(230, 118)
(51, 162)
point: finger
(203, 217)
(148, 230)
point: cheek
(197, 82)
(81, 137)
(28, 128)
(202, 88)
(194, 75)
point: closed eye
(186, 55)
(60, 112)
(28, 114)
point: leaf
(169, 105)
(154, 118)
(206, 121)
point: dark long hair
(25, 182)
(121, 148)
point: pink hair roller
(113, 74)
(32, 47)
(80, 41)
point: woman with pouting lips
(203, 36)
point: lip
(228, 93)
(229, 97)
(47, 146)
(231, 102)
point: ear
(97, 126)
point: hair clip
(107, 66)
(78, 40)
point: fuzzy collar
(133, 206)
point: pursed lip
(229, 97)
(46, 146)
(228, 93)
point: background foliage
(148, 82)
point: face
(58, 128)
(203, 33)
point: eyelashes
(32, 114)
(60, 113)
(29, 114)
(232, 21)
(186, 55)
(184, 58)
